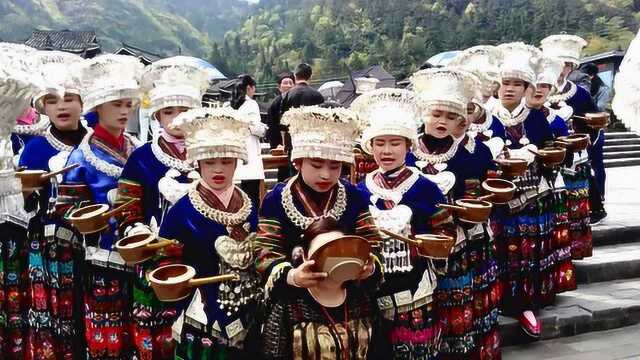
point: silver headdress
(445, 89)
(57, 67)
(18, 83)
(567, 48)
(323, 133)
(549, 70)
(109, 77)
(519, 61)
(484, 62)
(388, 111)
(174, 81)
(213, 133)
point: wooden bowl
(429, 245)
(551, 156)
(502, 191)
(340, 256)
(174, 282)
(597, 120)
(35, 179)
(95, 218)
(31, 179)
(471, 210)
(434, 245)
(138, 248)
(574, 142)
(512, 167)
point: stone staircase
(608, 294)
(621, 148)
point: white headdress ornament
(549, 70)
(483, 61)
(567, 48)
(174, 81)
(388, 111)
(323, 133)
(108, 78)
(519, 61)
(57, 67)
(445, 89)
(213, 133)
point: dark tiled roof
(65, 40)
(609, 55)
(144, 55)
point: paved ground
(623, 343)
(622, 197)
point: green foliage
(160, 26)
(400, 35)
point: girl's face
(441, 124)
(166, 115)
(115, 114)
(319, 174)
(511, 92)
(389, 151)
(540, 95)
(64, 113)
(217, 173)
(251, 91)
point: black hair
(590, 69)
(426, 65)
(330, 104)
(285, 75)
(303, 71)
(239, 91)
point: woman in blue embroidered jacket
(49, 261)
(469, 328)
(215, 223)
(526, 259)
(156, 175)
(482, 61)
(109, 88)
(571, 100)
(404, 202)
(299, 323)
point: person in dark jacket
(277, 134)
(302, 94)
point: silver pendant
(508, 142)
(524, 141)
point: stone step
(616, 148)
(633, 141)
(607, 235)
(620, 343)
(622, 154)
(592, 307)
(621, 135)
(612, 163)
(608, 263)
